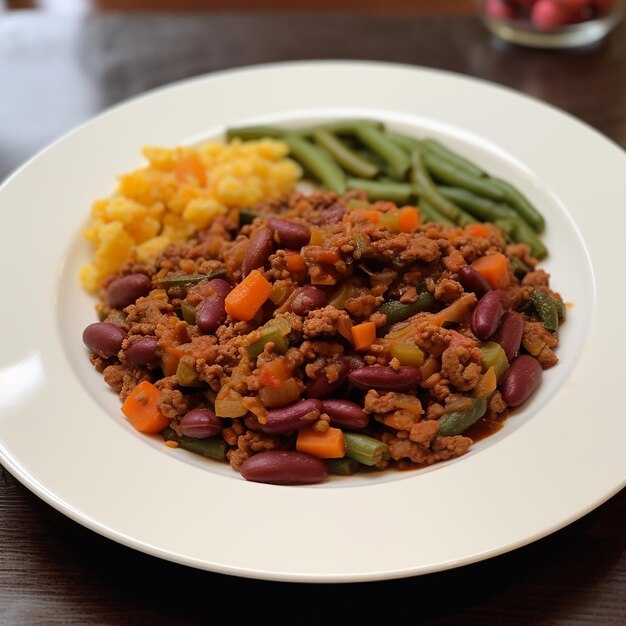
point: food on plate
(178, 193)
(336, 331)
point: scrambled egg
(179, 192)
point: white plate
(63, 436)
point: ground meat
(358, 265)
(252, 443)
(457, 367)
(441, 448)
(431, 338)
(124, 379)
(407, 247)
(173, 403)
(324, 321)
(538, 278)
(448, 290)
(424, 432)
(363, 306)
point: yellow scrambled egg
(180, 191)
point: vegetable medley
(386, 320)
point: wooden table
(58, 71)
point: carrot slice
(141, 408)
(275, 373)
(494, 268)
(363, 335)
(330, 444)
(190, 169)
(372, 215)
(478, 230)
(295, 262)
(408, 219)
(248, 296)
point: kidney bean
(509, 333)
(488, 313)
(143, 351)
(220, 286)
(385, 377)
(290, 234)
(287, 467)
(211, 314)
(473, 281)
(521, 380)
(200, 423)
(259, 250)
(125, 290)
(104, 338)
(334, 213)
(308, 298)
(345, 414)
(292, 417)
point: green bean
(347, 126)
(427, 189)
(365, 449)
(546, 308)
(250, 133)
(316, 161)
(377, 190)
(185, 280)
(452, 175)
(457, 422)
(212, 447)
(344, 466)
(377, 141)
(404, 141)
(269, 333)
(397, 311)
(482, 208)
(342, 127)
(490, 211)
(430, 213)
(520, 269)
(506, 225)
(525, 234)
(561, 309)
(431, 146)
(465, 218)
(347, 158)
(521, 204)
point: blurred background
(63, 61)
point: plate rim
(21, 473)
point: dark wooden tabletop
(57, 71)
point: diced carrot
(494, 268)
(295, 262)
(190, 169)
(329, 257)
(372, 215)
(363, 335)
(479, 230)
(248, 296)
(408, 219)
(330, 444)
(275, 373)
(141, 408)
